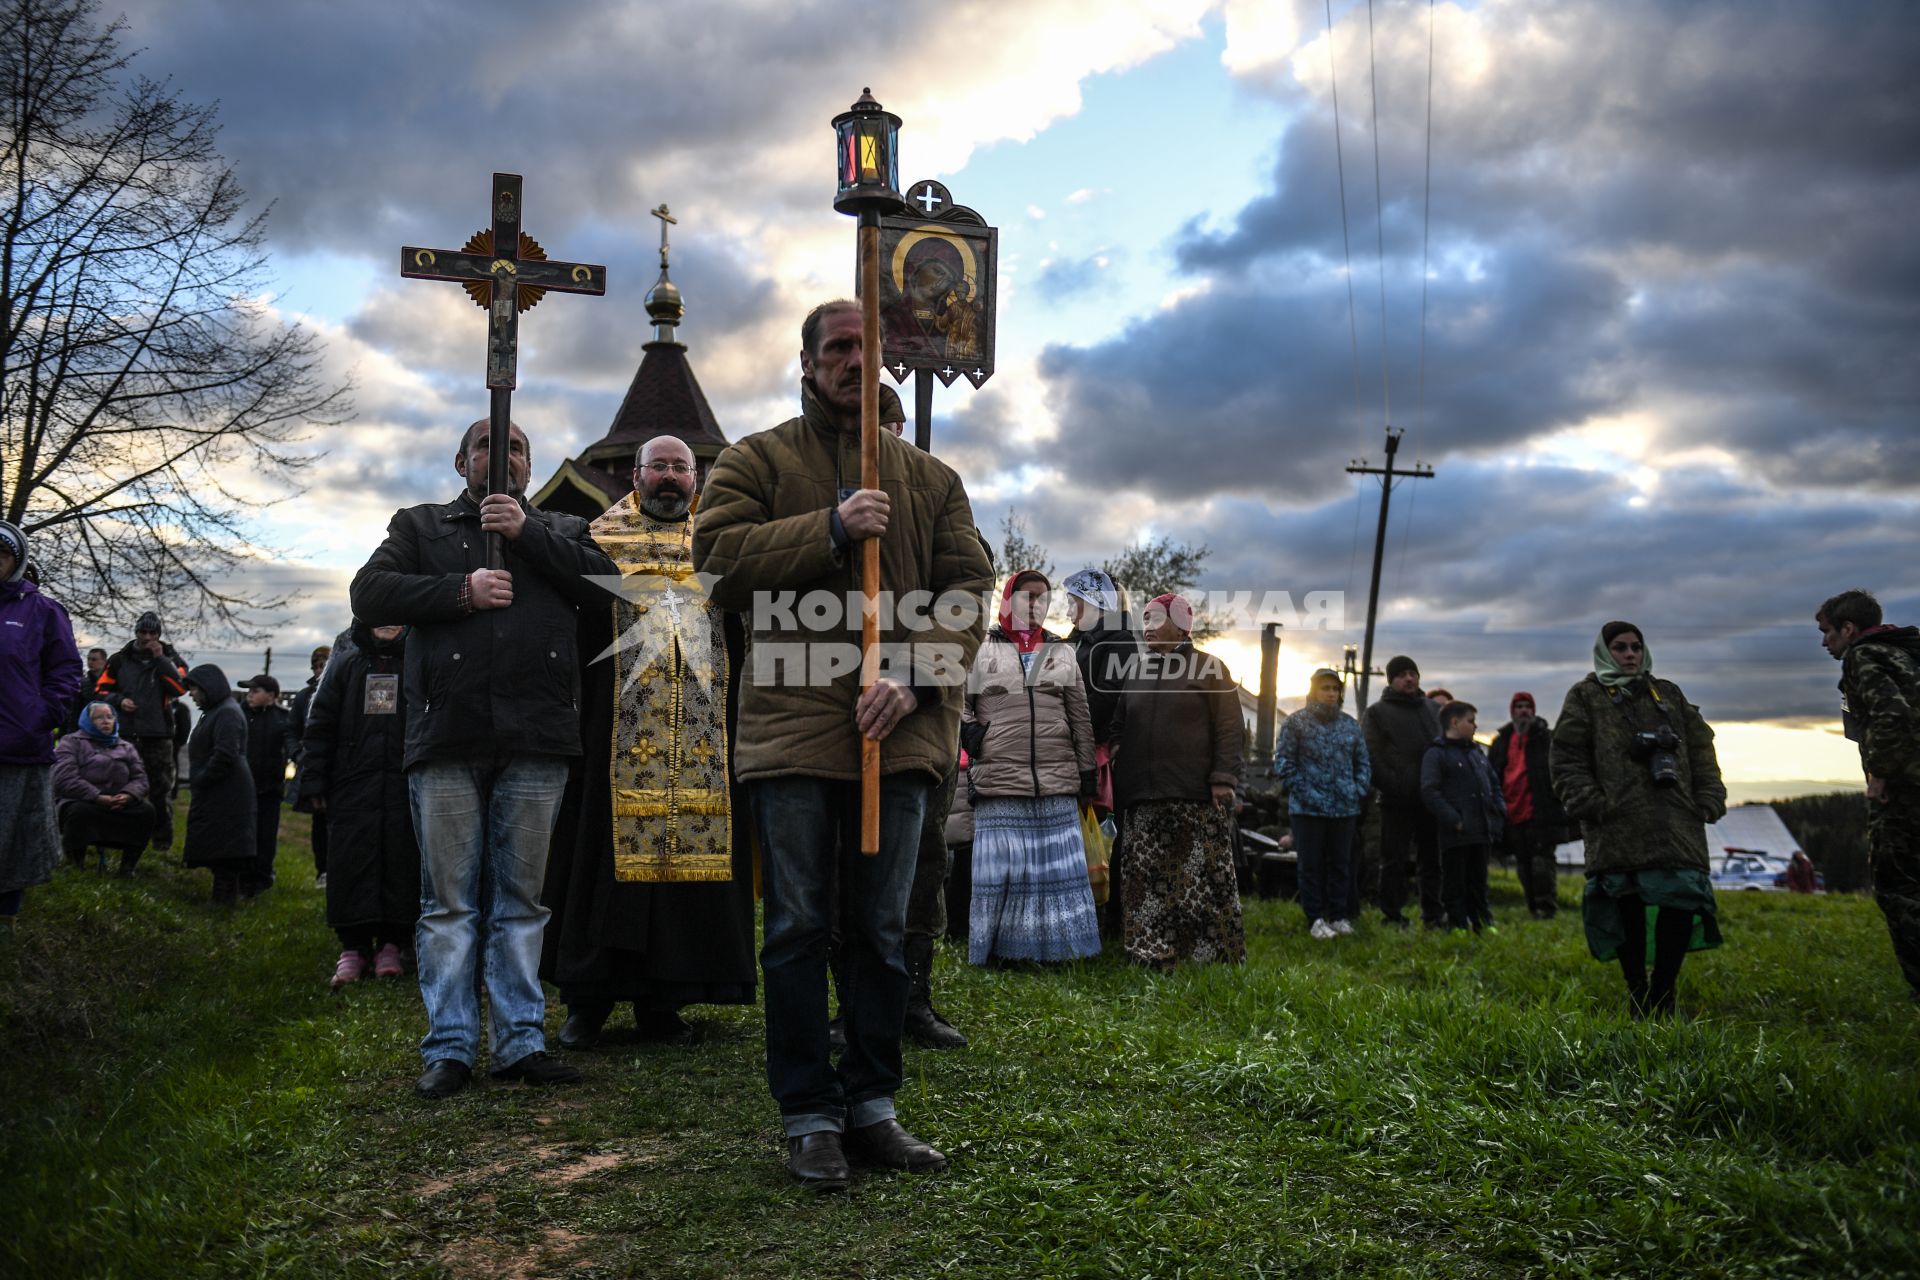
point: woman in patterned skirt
(1030, 749)
(1176, 765)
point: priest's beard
(666, 505)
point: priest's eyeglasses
(669, 468)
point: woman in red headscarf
(1176, 769)
(1030, 758)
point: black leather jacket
(492, 682)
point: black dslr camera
(1659, 748)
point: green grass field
(184, 1098)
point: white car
(1747, 869)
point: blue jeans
(808, 827)
(484, 828)
(1329, 881)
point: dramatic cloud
(1666, 366)
(1671, 290)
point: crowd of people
(554, 752)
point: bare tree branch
(141, 371)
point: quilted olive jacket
(764, 530)
(1630, 824)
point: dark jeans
(959, 893)
(84, 823)
(1531, 845)
(927, 899)
(1406, 836)
(1329, 889)
(156, 757)
(1464, 873)
(809, 828)
(266, 840)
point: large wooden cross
(505, 271)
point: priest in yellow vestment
(650, 879)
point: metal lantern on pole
(867, 165)
(867, 143)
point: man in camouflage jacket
(1880, 710)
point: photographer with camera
(1633, 763)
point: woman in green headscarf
(1633, 762)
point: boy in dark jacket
(1458, 788)
(269, 743)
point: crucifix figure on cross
(505, 272)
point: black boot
(581, 1030)
(925, 1026)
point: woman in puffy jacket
(100, 790)
(1030, 748)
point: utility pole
(1387, 474)
(1350, 666)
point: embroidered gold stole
(672, 819)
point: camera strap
(1620, 700)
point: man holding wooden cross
(779, 527)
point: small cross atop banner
(938, 267)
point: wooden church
(663, 399)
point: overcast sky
(1671, 291)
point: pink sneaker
(352, 967)
(387, 963)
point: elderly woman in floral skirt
(1176, 769)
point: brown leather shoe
(888, 1145)
(819, 1161)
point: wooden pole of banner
(870, 358)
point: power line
(1426, 228)
(1379, 222)
(1346, 243)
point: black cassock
(661, 946)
